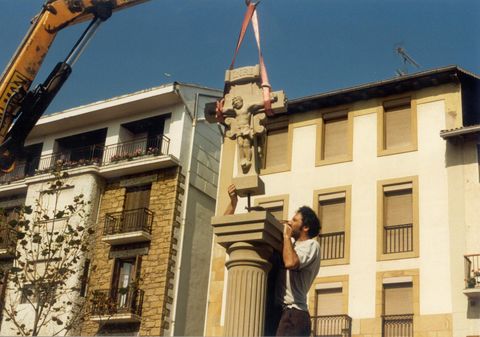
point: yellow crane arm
(27, 60)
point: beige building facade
(392, 170)
(148, 163)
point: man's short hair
(310, 220)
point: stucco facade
(441, 175)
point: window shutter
(398, 207)
(397, 124)
(138, 268)
(398, 299)
(276, 147)
(332, 215)
(274, 207)
(137, 197)
(329, 302)
(84, 279)
(335, 134)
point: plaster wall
(462, 166)
(437, 109)
(88, 185)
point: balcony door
(125, 276)
(137, 199)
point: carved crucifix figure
(245, 126)
(245, 117)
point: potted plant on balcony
(471, 282)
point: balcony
(397, 325)
(110, 161)
(332, 326)
(128, 226)
(472, 276)
(21, 171)
(7, 243)
(332, 245)
(117, 305)
(75, 157)
(398, 239)
(128, 151)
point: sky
(309, 46)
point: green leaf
(60, 214)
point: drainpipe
(184, 211)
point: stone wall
(157, 267)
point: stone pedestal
(250, 239)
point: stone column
(250, 239)
(248, 268)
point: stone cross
(245, 117)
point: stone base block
(255, 227)
(251, 184)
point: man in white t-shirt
(301, 260)
(301, 263)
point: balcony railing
(332, 245)
(22, 169)
(398, 239)
(99, 155)
(472, 271)
(82, 156)
(140, 219)
(334, 325)
(397, 326)
(110, 302)
(136, 148)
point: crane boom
(22, 69)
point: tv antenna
(407, 60)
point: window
(7, 234)
(397, 126)
(330, 306)
(332, 218)
(84, 278)
(333, 209)
(398, 228)
(28, 294)
(277, 153)
(334, 138)
(329, 302)
(41, 292)
(397, 319)
(137, 197)
(125, 279)
(398, 298)
(277, 205)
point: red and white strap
(250, 15)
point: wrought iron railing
(140, 219)
(398, 238)
(22, 169)
(332, 325)
(81, 156)
(397, 325)
(332, 245)
(472, 270)
(89, 155)
(117, 301)
(136, 148)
